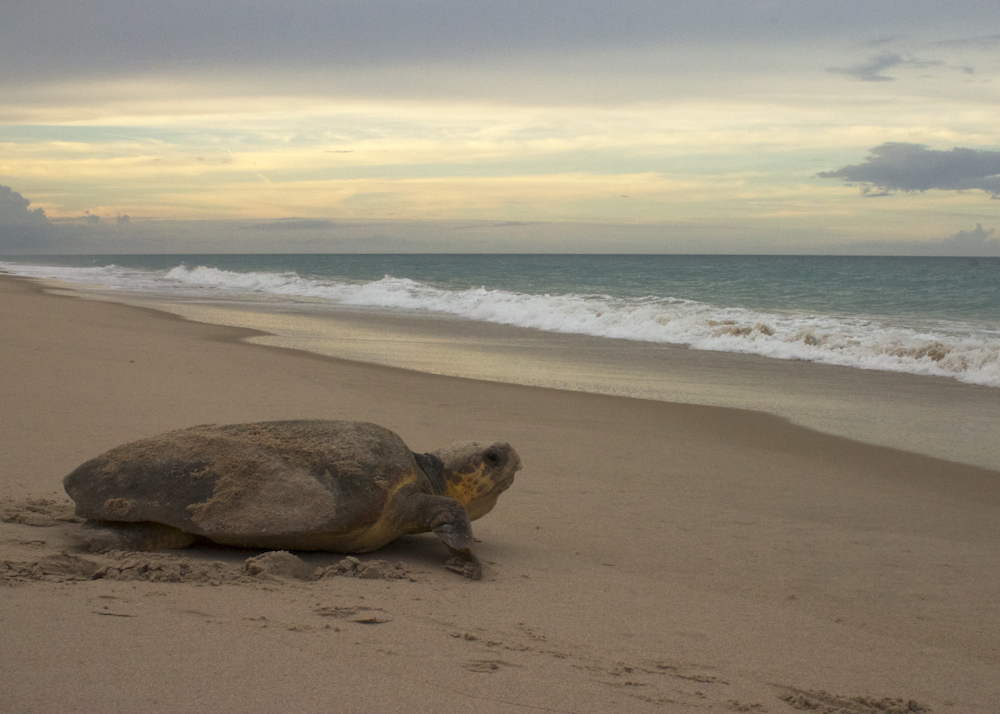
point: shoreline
(933, 416)
(651, 556)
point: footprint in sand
(359, 614)
(487, 665)
(832, 704)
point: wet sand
(934, 416)
(651, 556)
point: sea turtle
(340, 486)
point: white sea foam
(947, 349)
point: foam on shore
(964, 351)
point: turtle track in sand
(34, 559)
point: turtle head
(476, 473)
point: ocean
(925, 316)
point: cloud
(984, 42)
(124, 37)
(22, 229)
(14, 210)
(62, 40)
(871, 71)
(913, 167)
(28, 231)
(974, 242)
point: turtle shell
(250, 484)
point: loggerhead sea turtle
(340, 486)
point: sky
(649, 126)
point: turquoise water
(921, 315)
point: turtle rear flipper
(143, 535)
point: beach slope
(650, 557)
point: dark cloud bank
(14, 210)
(27, 231)
(979, 242)
(913, 167)
(22, 229)
(56, 39)
(974, 241)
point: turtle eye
(491, 457)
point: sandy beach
(650, 557)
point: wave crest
(971, 356)
(946, 349)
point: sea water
(919, 315)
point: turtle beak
(503, 485)
(513, 466)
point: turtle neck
(433, 467)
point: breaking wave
(959, 350)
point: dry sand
(650, 557)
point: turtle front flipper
(466, 564)
(118, 535)
(456, 532)
(447, 518)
